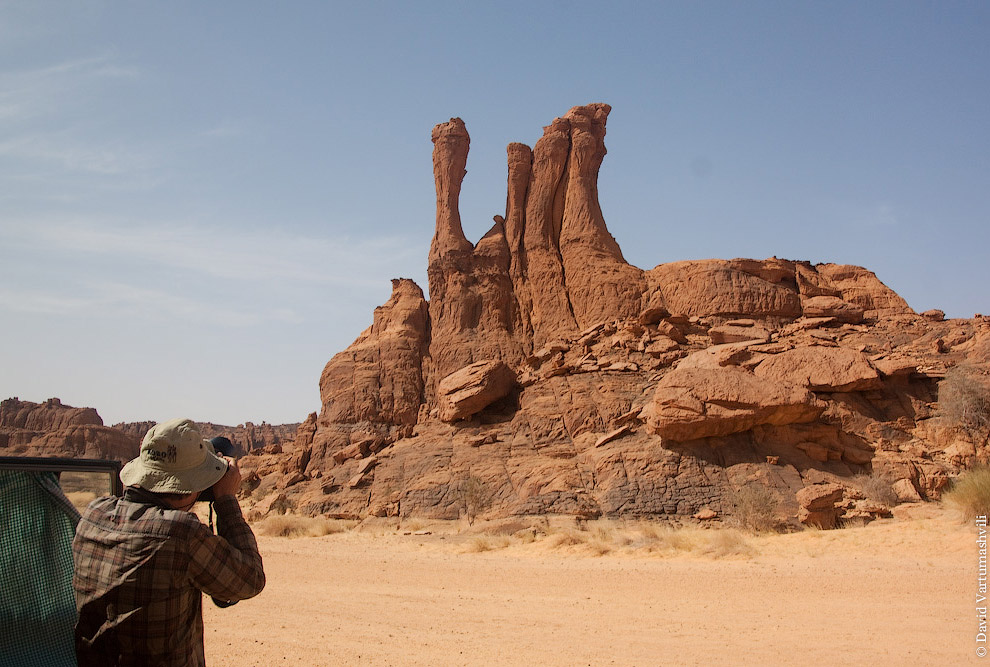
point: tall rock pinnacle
(601, 285)
(450, 148)
(551, 309)
(473, 312)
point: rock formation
(551, 373)
(566, 380)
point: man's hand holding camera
(230, 483)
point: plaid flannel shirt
(140, 571)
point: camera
(224, 447)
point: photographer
(143, 561)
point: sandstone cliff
(563, 379)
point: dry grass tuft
(291, 525)
(725, 542)
(599, 548)
(603, 537)
(483, 543)
(567, 538)
(479, 545)
(970, 493)
(877, 489)
(964, 401)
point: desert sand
(899, 591)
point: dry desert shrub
(754, 507)
(964, 401)
(877, 489)
(291, 525)
(475, 497)
(970, 493)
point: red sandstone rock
(714, 287)
(702, 403)
(832, 307)
(818, 505)
(548, 293)
(48, 416)
(600, 284)
(51, 429)
(906, 493)
(379, 377)
(728, 333)
(473, 388)
(862, 288)
(821, 369)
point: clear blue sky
(201, 203)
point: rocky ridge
(51, 429)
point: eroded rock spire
(450, 149)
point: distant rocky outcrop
(563, 379)
(51, 429)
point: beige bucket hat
(174, 458)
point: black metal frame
(45, 464)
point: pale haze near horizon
(203, 202)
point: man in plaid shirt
(143, 561)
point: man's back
(140, 570)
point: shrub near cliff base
(964, 401)
(971, 493)
(754, 507)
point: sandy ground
(895, 592)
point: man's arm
(227, 566)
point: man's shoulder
(118, 514)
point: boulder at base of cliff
(471, 389)
(818, 505)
